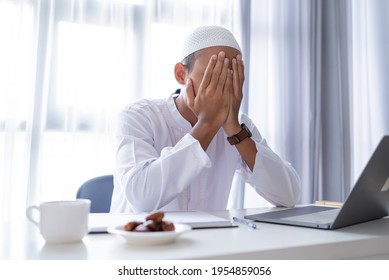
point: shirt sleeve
(272, 177)
(148, 179)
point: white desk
(364, 241)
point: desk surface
(364, 241)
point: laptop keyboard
(322, 217)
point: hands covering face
(220, 93)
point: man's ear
(180, 73)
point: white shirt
(159, 165)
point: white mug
(61, 221)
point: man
(181, 153)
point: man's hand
(231, 125)
(211, 103)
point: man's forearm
(204, 133)
(248, 152)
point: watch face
(247, 130)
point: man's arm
(273, 178)
(246, 148)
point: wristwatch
(239, 137)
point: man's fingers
(217, 70)
(190, 94)
(228, 83)
(213, 72)
(235, 76)
(223, 75)
(240, 68)
(238, 75)
(208, 72)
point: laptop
(368, 200)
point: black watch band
(240, 136)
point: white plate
(150, 238)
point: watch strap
(240, 136)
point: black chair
(99, 191)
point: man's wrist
(232, 129)
(204, 133)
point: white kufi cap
(208, 36)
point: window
(69, 66)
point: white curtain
(281, 81)
(315, 85)
(318, 90)
(370, 87)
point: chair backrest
(99, 191)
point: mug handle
(29, 214)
